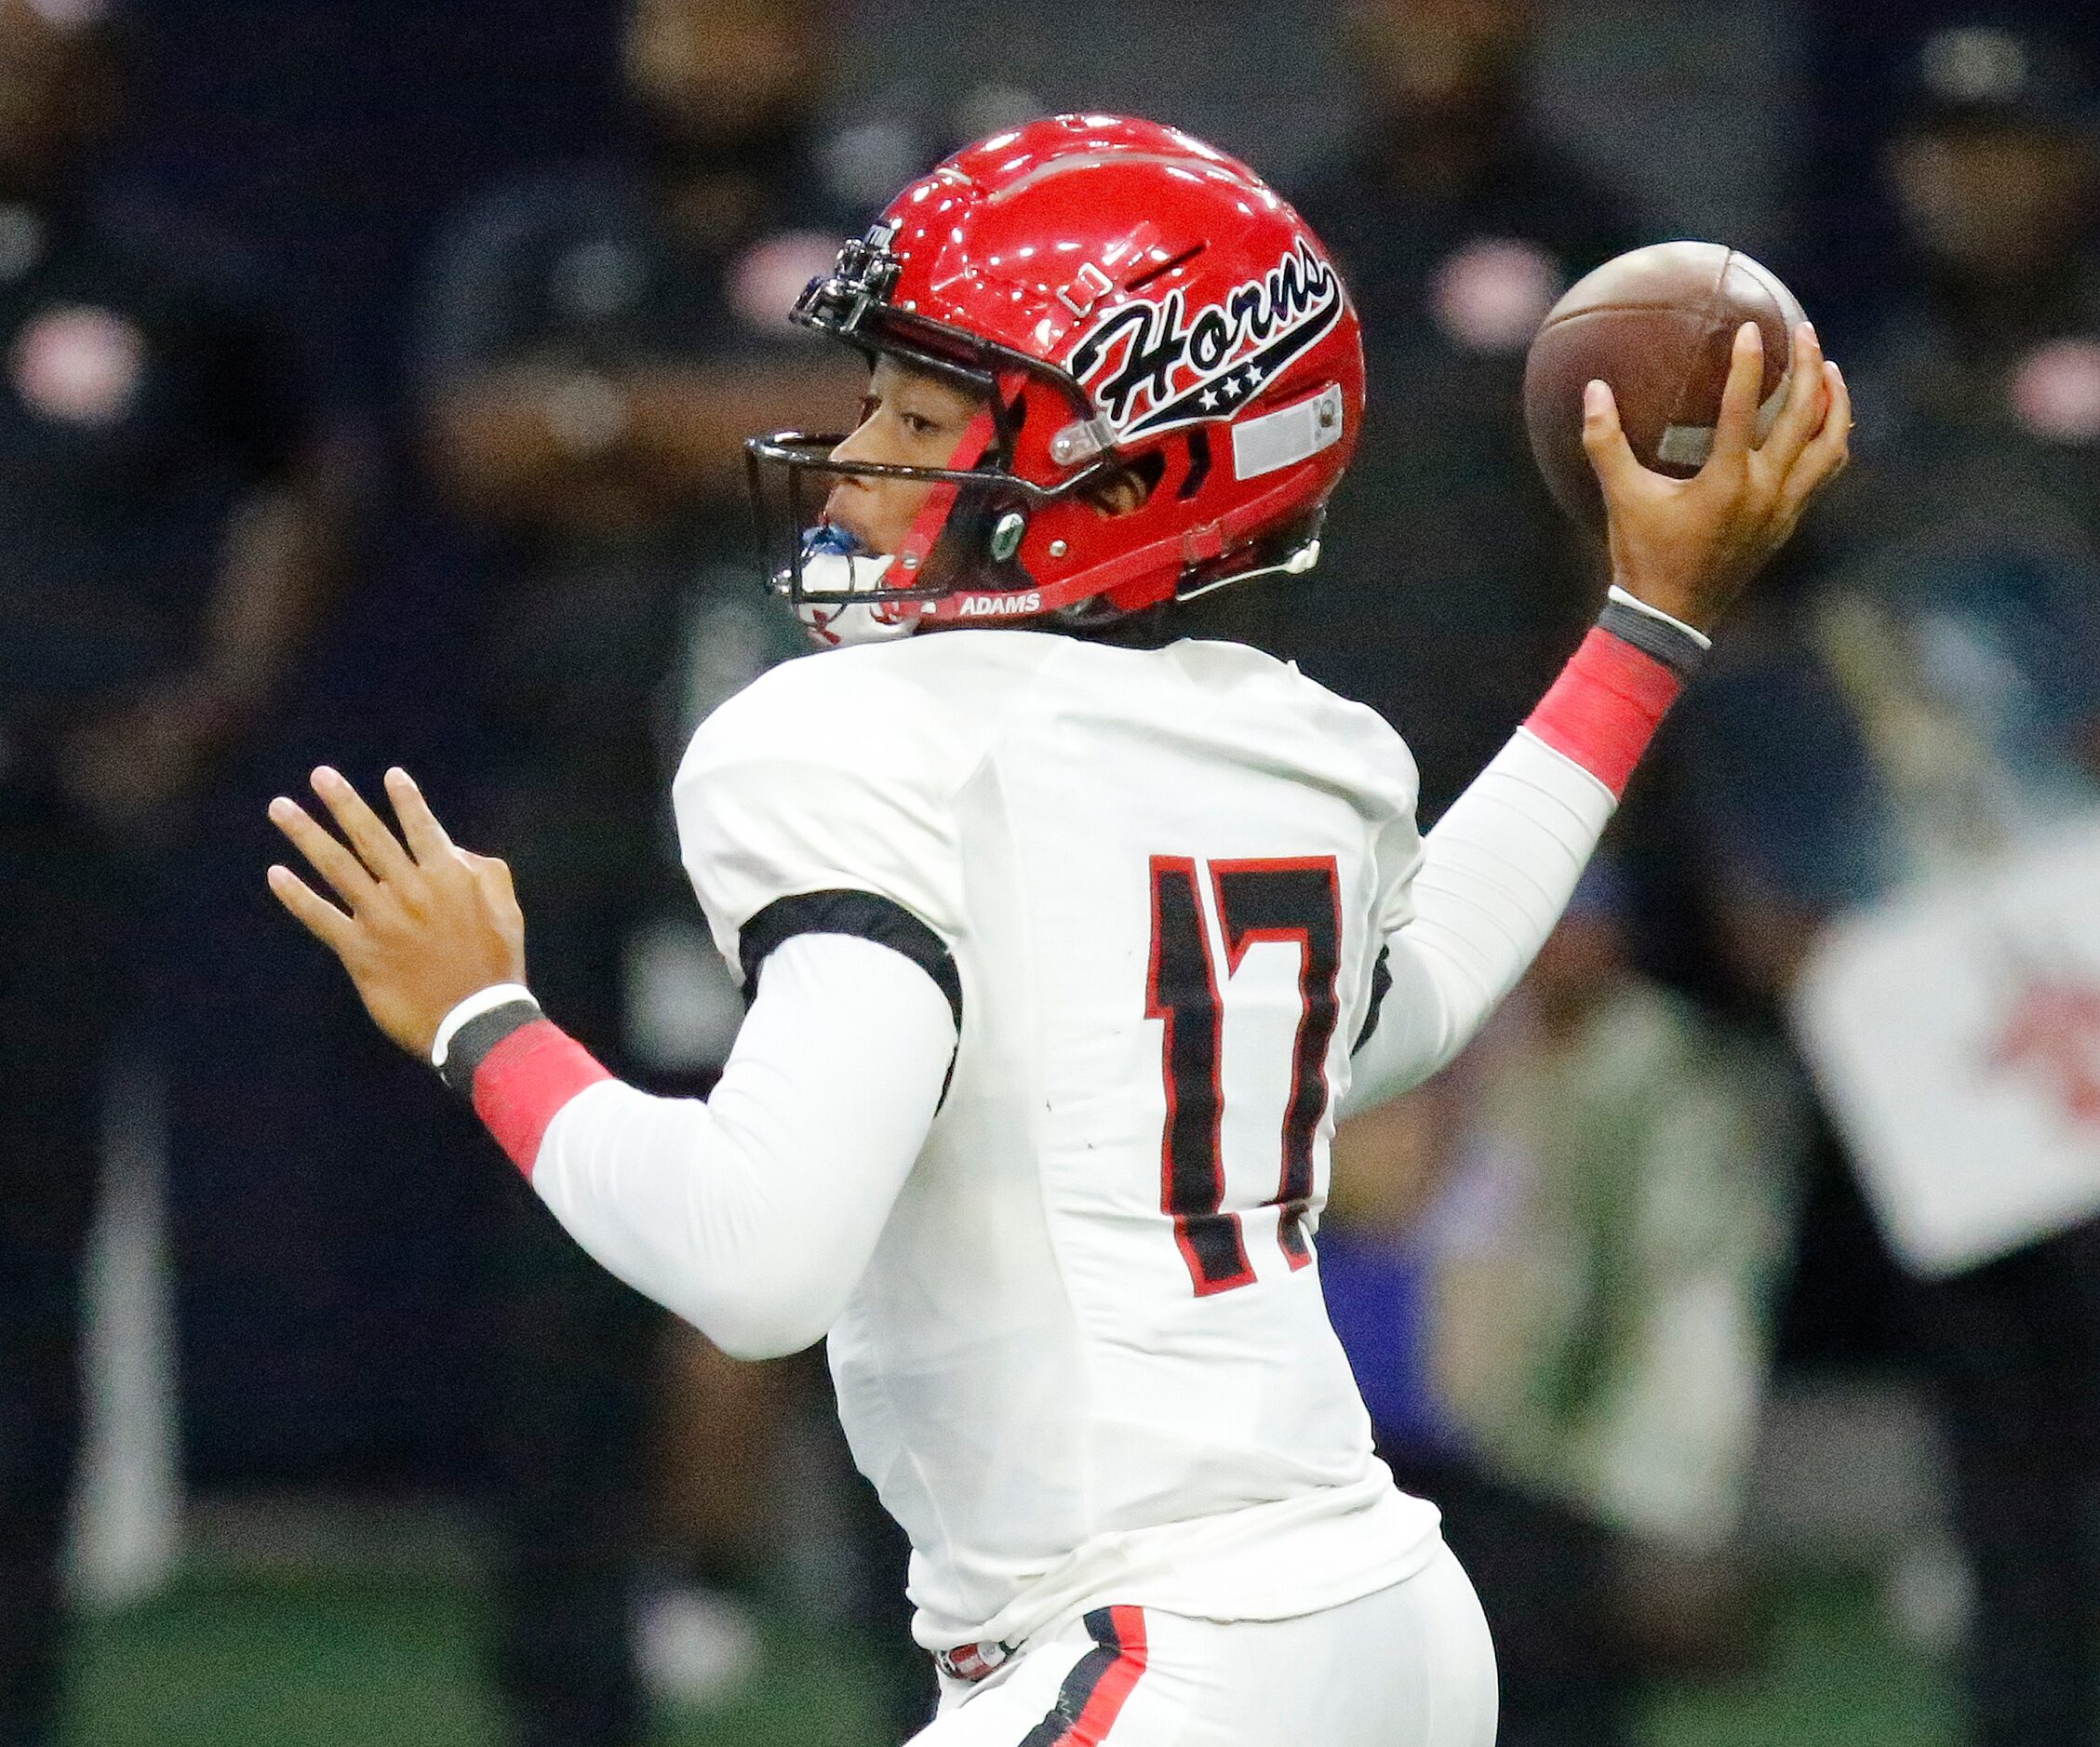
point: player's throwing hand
(423, 924)
(1688, 546)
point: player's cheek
(897, 504)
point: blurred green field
(237, 1661)
(232, 1660)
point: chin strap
(832, 574)
(1301, 559)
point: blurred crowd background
(372, 382)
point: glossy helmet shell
(1133, 300)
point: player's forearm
(1500, 866)
(754, 1214)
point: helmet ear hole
(1129, 489)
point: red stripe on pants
(1091, 1728)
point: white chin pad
(832, 576)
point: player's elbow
(754, 1320)
(1427, 1020)
(757, 1338)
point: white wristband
(1639, 606)
(472, 1008)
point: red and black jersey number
(1297, 901)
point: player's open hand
(1688, 546)
(421, 923)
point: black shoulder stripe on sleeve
(1380, 986)
(865, 915)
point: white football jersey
(1090, 1361)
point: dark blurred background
(303, 1257)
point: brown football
(1658, 326)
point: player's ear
(1130, 488)
(1121, 495)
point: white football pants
(1409, 1666)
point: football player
(1067, 937)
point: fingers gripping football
(419, 923)
(1688, 546)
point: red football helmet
(1126, 299)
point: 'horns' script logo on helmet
(1153, 364)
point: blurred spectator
(600, 339)
(1588, 1294)
(1451, 589)
(1939, 688)
(170, 524)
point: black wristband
(1677, 649)
(472, 1042)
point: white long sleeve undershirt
(753, 1215)
(1495, 875)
